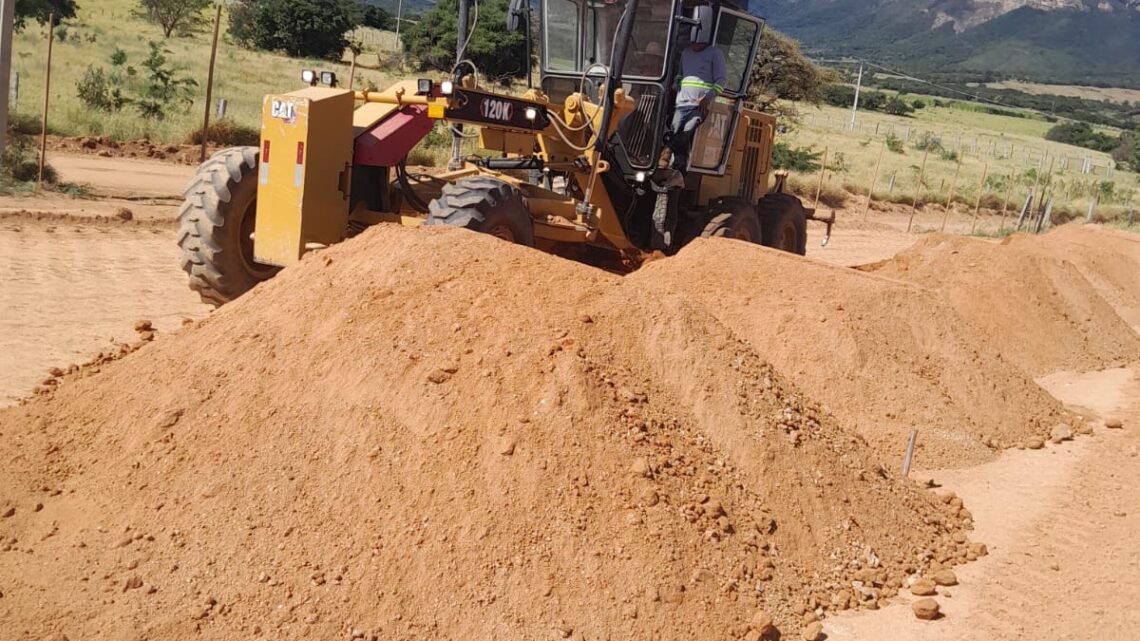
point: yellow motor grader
(572, 166)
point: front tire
(736, 220)
(486, 205)
(216, 223)
(783, 223)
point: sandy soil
(1061, 525)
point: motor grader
(571, 166)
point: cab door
(737, 36)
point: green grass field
(242, 77)
(981, 143)
(981, 140)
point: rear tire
(486, 205)
(737, 220)
(216, 223)
(783, 223)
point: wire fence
(976, 144)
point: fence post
(978, 203)
(950, 197)
(1005, 202)
(210, 84)
(822, 172)
(875, 179)
(917, 190)
(47, 101)
(1024, 210)
(1092, 209)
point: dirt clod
(1113, 423)
(1060, 432)
(923, 587)
(812, 632)
(945, 577)
(1035, 443)
(925, 609)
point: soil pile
(433, 434)
(1031, 298)
(1109, 259)
(885, 356)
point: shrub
(495, 51)
(96, 91)
(799, 159)
(300, 28)
(895, 144)
(20, 162)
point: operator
(702, 78)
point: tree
(376, 17)
(897, 107)
(300, 28)
(39, 10)
(783, 72)
(497, 53)
(174, 15)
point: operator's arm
(718, 69)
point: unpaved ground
(1061, 523)
(1062, 528)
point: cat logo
(283, 110)
(493, 109)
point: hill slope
(1070, 41)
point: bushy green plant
(799, 159)
(97, 90)
(162, 89)
(300, 28)
(894, 143)
(497, 53)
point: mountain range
(1093, 42)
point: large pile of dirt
(1031, 298)
(1109, 259)
(885, 356)
(433, 434)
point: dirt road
(1061, 527)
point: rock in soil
(762, 623)
(923, 587)
(925, 609)
(813, 632)
(945, 577)
(1060, 432)
(1035, 443)
(1114, 423)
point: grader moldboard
(573, 163)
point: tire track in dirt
(70, 287)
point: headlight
(328, 78)
(639, 176)
(446, 87)
(531, 113)
(423, 86)
(308, 76)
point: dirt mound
(1031, 298)
(107, 147)
(885, 356)
(1109, 259)
(432, 434)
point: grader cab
(573, 166)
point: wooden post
(352, 69)
(1005, 203)
(978, 203)
(917, 190)
(950, 197)
(210, 83)
(822, 172)
(875, 179)
(7, 33)
(47, 100)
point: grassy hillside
(1069, 47)
(242, 77)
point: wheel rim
(502, 231)
(742, 233)
(254, 268)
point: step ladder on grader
(572, 166)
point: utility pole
(858, 86)
(210, 82)
(7, 15)
(460, 54)
(399, 16)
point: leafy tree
(782, 72)
(497, 53)
(799, 159)
(1081, 134)
(39, 10)
(174, 15)
(897, 107)
(163, 89)
(376, 17)
(300, 28)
